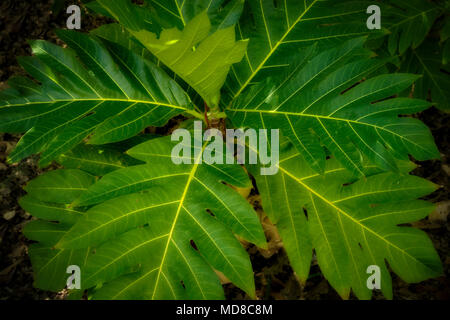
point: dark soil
(21, 20)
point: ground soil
(22, 20)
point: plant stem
(196, 114)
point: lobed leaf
(313, 106)
(350, 223)
(158, 230)
(427, 60)
(198, 57)
(409, 22)
(48, 199)
(96, 160)
(86, 89)
(280, 30)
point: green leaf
(445, 31)
(115, 97)
(177, 13)
(350, 223)
(114, 32)
(427, 60)
(313, 106)
(95, 7)
(61, 186)
(200, 59)
(280, 29)
(409, 22)
(96, 160)
(48, 199)
(50, 265)
(172, 203)
(49, 210)
(43, 231)
(182, 12)
(446, 53)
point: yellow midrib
(273, 49)
(180, 205)
(325, 117)
(331, 204)
(99, 99)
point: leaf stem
(196, 114)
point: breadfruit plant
(141, 226)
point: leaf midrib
(412, 17)
(126, 253)
(357, 222)
(273, 49)
(177, 214)
(102, 99)
(328, 118)
(118, 218)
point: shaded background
(21, 20)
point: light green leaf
(74, 101)
(351, 223)
(279, 30)
(49, 211)
(200, 59)
(48, 199)
(97, 160)
(312, 106)
(61, 186)
(172, 202)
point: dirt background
(22, 20)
